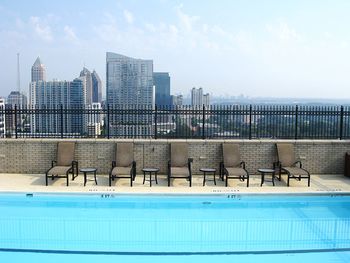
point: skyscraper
(161, 82)
(129, 85)
(17, 98)
(96, 88)
(177, 100)
(85, 73)
(196, 97)
(53, 94)
(77, 100)
(129, 81)
(206, 100)
(38, 71)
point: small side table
(264, 171)
(206, 171)
(87, 171)
(150, 171)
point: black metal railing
(218, 121)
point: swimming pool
(201, 227)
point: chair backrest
(231, 154)
(65, 153)
(285, 154)
(124, 154)
(179, 154)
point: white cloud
(42, 29)
(150, 27)
(283, 32)
(186, 21)
(70, 34)
(108, 31)
(129, 17)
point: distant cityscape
(131, 85)
(130, 82)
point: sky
(259, 48)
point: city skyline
(271, 49)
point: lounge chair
(287, 163)
(179, 165)
(232, 167)
(64, 163)
(124, 165)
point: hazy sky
(259, 48)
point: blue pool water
(174, 228)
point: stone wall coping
(161, 141)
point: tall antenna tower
(19, 81)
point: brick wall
(35, 155)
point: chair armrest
(242, 164)
(114, 164)
(298, 162)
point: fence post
(155, 122)
(250, 121)
(341, 122)
(16, 135)
(107, 121)
(296, 122)
(203, 122)
(61, 113)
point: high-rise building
(53, 95)
(95, 120)
(177, 100)
(85, 73)
(206, 100)
(77, 100)
(96, 88)
(48, 95)
(38, 71)
(129, 81)
(129, 85)
(17, 98)
(2, 118)
(161, 82)
(196, 97)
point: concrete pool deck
(35, 183)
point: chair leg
(168, 181)
(288, 180)
(131, 179)
(67, 179)
(46, 179)
(279, 175)
(226, 182)
(308, 181)
(190, 181)
(248, 181)
(110, 180)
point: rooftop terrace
(23, 163)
